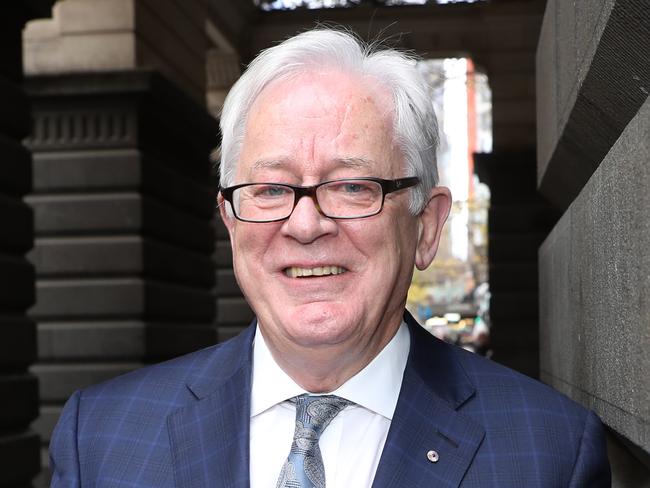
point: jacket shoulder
(507, 402)
(167, 382)
(551, 436)
(494, 381)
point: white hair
(415, 126)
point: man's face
(303, 131)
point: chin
(321, 324)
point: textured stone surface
(223, 68)
(15, 180)
(516, 276)
(58, 381)
(592, 77)
(17, 216)
(19, 458)
(595, 274)
(19, 393)
(518, 219)
(233, 313)
(111, 170)
(16, 283)
(87, 36)
(117, 213)
(14, 117)
(91, 340)
(115, 255)
(18, 344)
(45, 423)
(227, 283)
(19, 447)
(123, 213)
(546, 89)
(627, 471)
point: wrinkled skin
(312, 128)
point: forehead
(316, 121)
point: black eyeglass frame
(387, 186)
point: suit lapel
(427, 419)
(210, 437)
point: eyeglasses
(348, 198)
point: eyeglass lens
(336, 199)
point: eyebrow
(351, 162)
(356, 162)
(268, 163)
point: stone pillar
(123, 210)
(105, 35)
(233, 313)
(593, 78)
(518, 218)
(223, 69)
(518, 221)
(123, 197)
(19, 446)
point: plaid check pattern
(185, 424)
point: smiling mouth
(295, 272)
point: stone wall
(126, 253)
(593, 162)
(124, 217)
(105, 35)
(19, 446)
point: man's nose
(307, 223)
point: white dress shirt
(352, 443)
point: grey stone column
(124, 211)
(593, 78)
(233, 313)
(519, 219)
(19, 446)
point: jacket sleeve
(592, 465)
(64, 455)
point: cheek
(400, 242)
(249, 245)
(381, 245)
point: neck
(324, 368)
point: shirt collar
(376, 387)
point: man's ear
(228, 219)
(430, 223)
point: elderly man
(329, 195)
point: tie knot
(304, 466)
(315, 412)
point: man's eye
(271, 191)
(353, 188)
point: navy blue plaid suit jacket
(185, 423)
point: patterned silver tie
(304, 466)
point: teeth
(295, 272)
